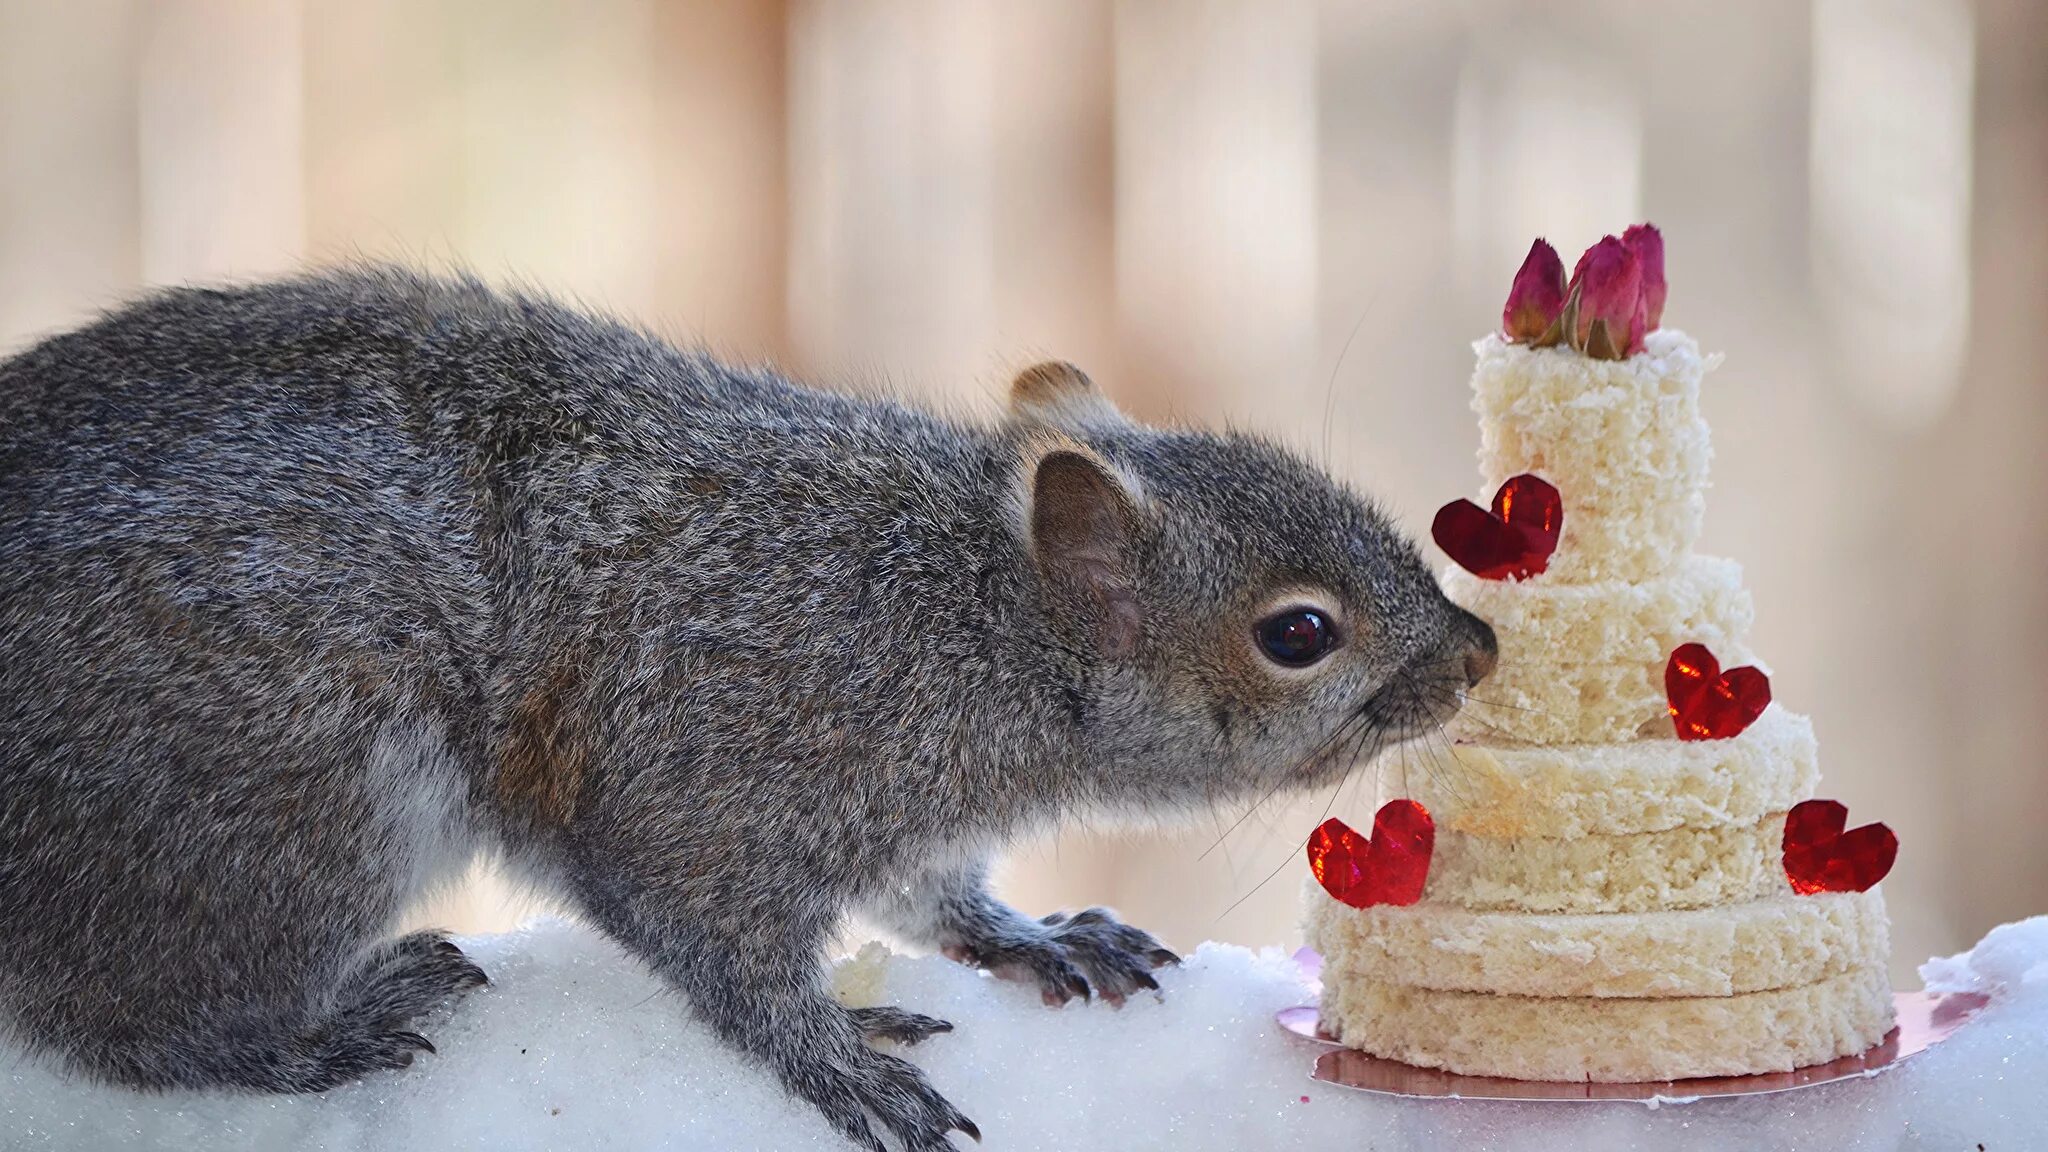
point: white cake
(1605, 901)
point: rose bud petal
(1537, 298)
(1648, 244)
(1639, 325)
(1607, 289)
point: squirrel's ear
(1058, 394)
(1083, 523)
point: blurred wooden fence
(1207, 203)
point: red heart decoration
(1820, 857)
(1512, 542)
(1707, 703)
(1388, 869)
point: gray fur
(311, 591)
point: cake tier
(1530, 700)
(1530, 1038)
(1613, 621)
(1622, 440)
(1503, 790)
(1646, 872)
(1584, 663)
(1783, 942)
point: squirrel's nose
(1484, 654)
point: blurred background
(1286, 215)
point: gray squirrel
(312, 591)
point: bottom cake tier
(1611, 1039)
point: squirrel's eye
(1297, 637)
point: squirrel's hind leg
(367, 1023)
(363, 1026)
(225, 922)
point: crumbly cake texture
(1584, 663)
(1532, 1038)
(1650, 785)
(1781, 941)
(1622, 440)
(1532, 700)
(1612, 621)
(1678, 868)
(1604, 900)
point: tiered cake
(1605, 900)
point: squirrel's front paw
(892, 1090)
(1069, 956)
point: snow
(574, 1046)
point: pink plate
(1924, 1020)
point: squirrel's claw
(862, 1091)
(412, 1040)
(910, 1107)
(1057, 977)
(888, 1023)
(856, 1086)
(1117, 958)
(1090, 953)
(1067, 985)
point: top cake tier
(1622, 440)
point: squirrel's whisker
(1465, 696)
(1453, 778)
(1490, 727)
(1289, 858)
(1305, 765)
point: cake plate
(1924, 1018)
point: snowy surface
(575, 1047)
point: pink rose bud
(1607, 290)
(1537, 299)
(1648, 244)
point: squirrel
(311, 591)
